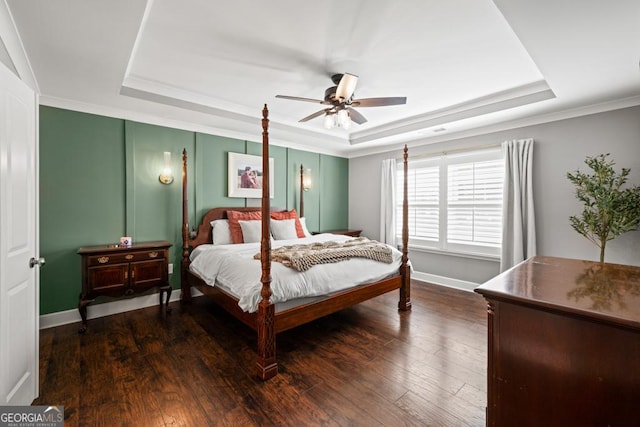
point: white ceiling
(465, 66)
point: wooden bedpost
(405, 289)
(267, 365)
(301, 212)
(185, 295)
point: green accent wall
(82, 197)
(99, 181)
(334, 181)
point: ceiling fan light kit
(340, 99)
(339, 119)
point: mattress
(233, 268)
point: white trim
(107, 309)
(123, 114)
(15, 48)
(136, 43)
(449, 282)
(413, 142)
(460, 254)
(499, 101)
(531, 120)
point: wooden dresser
(116, 271)
(564, 344)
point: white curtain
(388, 202)
(518, 218)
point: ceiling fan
(340, 101)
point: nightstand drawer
(116, 258)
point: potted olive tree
(609, 209)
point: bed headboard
(203, 235)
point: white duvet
(233, 266)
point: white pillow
(220, 233)
(251, 231)
(303, 222)
(283, 229)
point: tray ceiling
(464, 65)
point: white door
(19, 293)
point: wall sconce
(305, 185)
(166, 176)
(305, 178)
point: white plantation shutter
(424, 202)
(455, 202)
(474, 203)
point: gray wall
(560, 146)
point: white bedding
(234, 267)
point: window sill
(460, 254)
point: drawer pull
(153, 254)
(103, 259)
(129, 256)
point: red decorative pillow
(234, 225)
(292, 214)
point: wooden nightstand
(352, 233)
(116, 271)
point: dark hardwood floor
(369, 365)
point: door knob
(33, 262)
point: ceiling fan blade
(314, 115)
(379, 102)
(356, 116)
(346, 87)
(297, 98)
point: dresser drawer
(116, 258)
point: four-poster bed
(267, 319)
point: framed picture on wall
(245, 175)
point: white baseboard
(95, 311)
(444, 281)
(107, 309)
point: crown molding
(421, 140)
(285, 136)
(288, 135)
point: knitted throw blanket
(303, 257)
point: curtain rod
(454, 150)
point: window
(455, 202)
